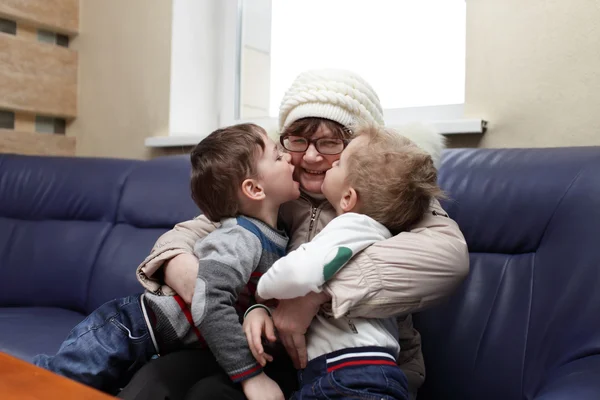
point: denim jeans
(106, 348)
(356, 381)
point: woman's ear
(349, 200)
(253, 190)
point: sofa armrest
(579, 379)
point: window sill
(449, 127)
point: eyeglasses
(327, 146)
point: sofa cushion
(157, 194)
(27, 331)
(483, 329)
(503, 199)
(48, 263)
(61, 188)
(531, 302)
(55, 214)
(114, 272)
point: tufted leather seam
(524, 253)
(491, 309)
(528, 322)
(567, 190)
(558, 204)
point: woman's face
(312, 165)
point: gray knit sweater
(233, 256)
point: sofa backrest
(155, 197)
(531, 302)
(73, 230)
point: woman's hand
(292, 318)
(256, 324)
(181, 273)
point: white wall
(256, 59)
(194, 65)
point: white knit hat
(339, 95)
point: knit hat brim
(318, 110)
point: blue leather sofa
(524, 325)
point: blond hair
(395, 180)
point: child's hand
(261, 387)
(257, 323)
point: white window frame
(206, 79)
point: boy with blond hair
(239, 178)
(382, 184)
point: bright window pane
(412, 52)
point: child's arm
(258, 323)
(306, 269)
(228, 257)
(177, 242)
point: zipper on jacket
(316, 213)
(313, 215)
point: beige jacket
(401, 275)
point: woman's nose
(287, 157)
(311, 154)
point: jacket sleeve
(179, 240)
(228, 257)
(404, 274)
(307, 268)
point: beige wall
(124, 63)
(533, 71)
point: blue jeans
(106, 348)
(360, 378)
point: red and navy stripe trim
(249, 373)
(359, 357)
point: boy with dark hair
(239, 178)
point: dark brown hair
(220, 163)
(306, 127)
(395, 180)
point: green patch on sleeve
(341, 256)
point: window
(232, 60)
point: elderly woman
(401, 275)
